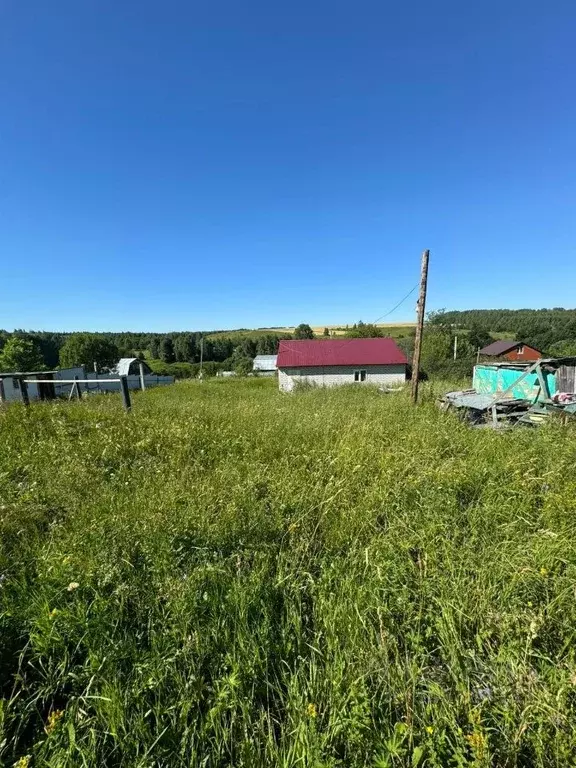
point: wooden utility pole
(200, 375)
(419, 325)
(455, 346)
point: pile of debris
(507, 394)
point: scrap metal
(506, 399)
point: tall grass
(232, 577)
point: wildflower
(53, 613)
(543, 572)
(429, 729)
(292, 527)
(72, 586)
(53, 719)
(311, 710)
(23, 762)
(530, 604)
(478, 743)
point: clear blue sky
(177, 165)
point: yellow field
(396, 330)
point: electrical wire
(347, 341)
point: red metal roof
(317, 352)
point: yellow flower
(429, 729)
(24, 762)
(543, 572)
(53, 719)
(478, 743)
(311, 710)
(72, 586)
(54, 612)
(292, 527)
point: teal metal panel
(490, 379)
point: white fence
(108, 382)
(97, 382)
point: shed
(130, 366)
(12, 389)
(511, 350)
(328, 363)
(265, 365)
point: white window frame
(520, 349)
(360, 375)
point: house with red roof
(329, 363)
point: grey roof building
(265, 365)
(130, 366)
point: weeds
(232, 577)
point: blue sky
(178, 165)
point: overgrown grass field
(232, 577)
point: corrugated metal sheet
(490, 379)
(123, 367)
(264, 363)
(317, 352)
(566, 378)
(499, 347)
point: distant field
(229, 576)
(395, 330)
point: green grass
(232, 577)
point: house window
(359, 375)
(520, 349)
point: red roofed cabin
(343, 361)
(515, 351)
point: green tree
(243, 366)
(478, 337)
(184, 348)
(326, 333)
(167, 350)
(303, 331)
(437, 347)
(154, 348)
(21, 355)
(88, 348)
(364, 331)
(563, 348)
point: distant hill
(503, 320)
(396, 330)
(552, 331)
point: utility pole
(201, 357)
(455, 346)
(419, 325)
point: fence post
(142, 380)
(125, 392)
(2, 393)
(77, 385)
(24, 390)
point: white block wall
(335, 375)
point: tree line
(22, 350)
(551, 331)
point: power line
(410, 292)
(386, 314)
